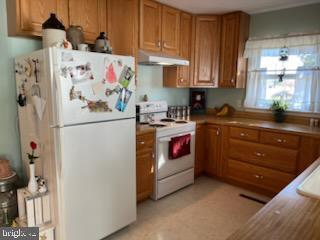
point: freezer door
(97, 179)
(93, 87)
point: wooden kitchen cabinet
(25, 17)
(159, 28)
(213, 149)
(180, 76)
(309, 152)
(91, 15)
(234, 34)
(206, 51)
(123, 26)
(170, 31)
(145, 165)
(200, 150)
(150, 25)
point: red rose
(33, 145)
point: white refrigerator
(79, 107)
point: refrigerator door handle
(57, 98)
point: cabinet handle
(159, 44)
(218, 131)
(142, 143)
(244, 134)
(232, 80)
(165, 44)
(256, 176)
(181, 80)
(279, 140)
(259, 154)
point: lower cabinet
(213, 149)
(200, 152)
(144, 165)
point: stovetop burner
(167, 120)
(181, 122)
(157, 125)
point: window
(295, 79)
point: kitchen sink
(310, 187)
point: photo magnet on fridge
(123, 99)
(81, 73)
(126, 76)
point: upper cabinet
(235, 33)
(180, 76)
(159, 28)
(170, 30)
(25, 17)
(150, 25)
(206, 51)
(123, 26)
(91, 15)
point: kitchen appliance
(170, 175)
(153, 58)
(198, 101)
(86, 137)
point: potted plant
(32, 185)
(279, 108)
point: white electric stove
(170, 175)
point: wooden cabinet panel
(200, 151)
(213, 149)
(235, 32)
(25, 17)
(309, 152)
(260, 177)
(150, 25)
(264, 155)
(244, 134)
(180, 76)
(207, 43)
(145, 165)
(170, 30)
(280, 139)
(91, 15)
(123, 26)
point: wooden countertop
(258, 124)
(288, 216)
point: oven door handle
(168, 139)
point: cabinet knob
(232, 80)
(279, 140)
(181, 80)
(159, 44)
(142, 143)
(244, 134)
(165, 44)
(218, 131)
(256, 176)
(258, 154)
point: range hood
(151, 58)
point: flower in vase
(31, 156)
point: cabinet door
(123, 26)
(90, 15)
(25, 17)
(200, 150)
(213, 149)
(150, 25)
(170, 30)
(185, 49)
(229, 50)
(207, 42)
(144, 175)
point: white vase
(33, 184)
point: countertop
(288, 216)
(258, 124)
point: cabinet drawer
(263, 155)
(263, 178)
(145, 142)
(244, 134)
(280, 139)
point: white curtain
(301, 83)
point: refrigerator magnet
(126, 76)
(36, 70)
(98, 106)
(97, 88)
(81, 73)
(110, 74)
(67, 57)
(73, 94)
(110, 92)
(123, 99)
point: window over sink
(286, 69)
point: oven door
(167, 167)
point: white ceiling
(223, 6)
